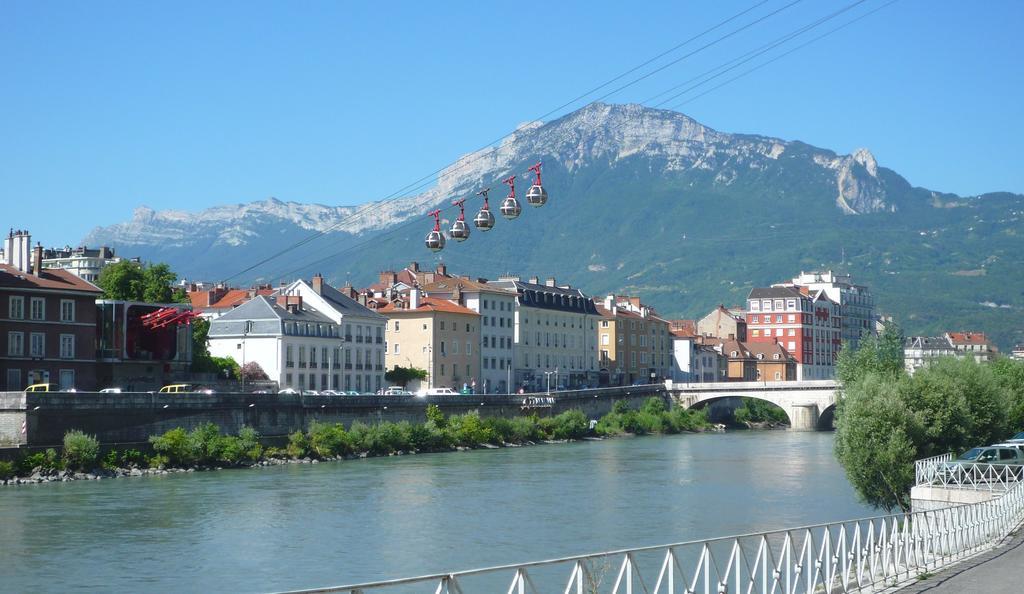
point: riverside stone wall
(133, 417)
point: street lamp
(547, 378)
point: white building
(918, 351)
(856, 304)
(85, 263)
(693, 362)
(496, 307)
(307, 337)
(555, 334)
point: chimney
(414, 297)
(414, 266)
(442, 270)
(732, 337)
(38, 266)
(9, 248)
(550, 282)
(318, 284)
(534, 280)
(293, 303)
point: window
(396, 325)
(67, 310)
(791, 318)
(753, 319)
(455, 347)
(37, 308)
(469, 348)
(467, 328)
(755, 332)
(755, 306)
(442, 324)
(288, 357)
(67, 346)
(37, 344)
(604, 323)
(397, 350)
(443, 353)
(302, 359)
(16, 308)
(442, 369)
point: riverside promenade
(996, 571)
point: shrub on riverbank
(652, 417)
(205, 445)
(80, 450)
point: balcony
(359, 365)
(302, 364)
(380, 340)
(312, 364)
(348, 366)
(289, 363)
(379, 367)
(359, 339)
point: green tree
(200, 338)
(886, 420)
(877, 354)
(404, 375)
(131, 281)
(1010, 375)
(123, 281)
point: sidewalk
(994, 572)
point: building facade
(437, 335)
(497, 326)
(919, 351)
(48, 321)
(634, 345)
(723, 323)
(555, 335)
(85, 263)
(695, 362)
(806, 324)
(856, 303)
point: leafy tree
(404, 375)
(1010, 375)
(878, 354)
(885, 421)
(200, 338)
(123, 281)
(252, 371)
(876, 440)
(131, 281)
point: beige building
(437, 335)
(722, 323)
(634, 344)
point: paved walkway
(994, 572)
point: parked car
(176, 388)
(42, 388)
(110, 391)
(288, 391)
(984, 464)
(330, 393)
(1017, 438)
(441, 392)
(397, 391)
(310, 393)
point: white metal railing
(853, 556)
(925, 469)
(973, 476)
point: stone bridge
(809, 404)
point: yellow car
(176, 388)
(41, 388)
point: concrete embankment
(40, 419)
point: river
(300, 526)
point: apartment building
(722, 322)
(856, 303)
(806, 324)
(497, 326)
(555, 334)
(48, 321)
(634, 344)
(695, 362)
(437, 335)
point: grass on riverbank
(206, 447)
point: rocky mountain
(651, 201)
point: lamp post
(547, 379)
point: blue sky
(106, 106)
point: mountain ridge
(649, 201)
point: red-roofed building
(47, 319)
(634, 344)
(213, 303)
(974, 344)
(806, 323)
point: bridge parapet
(808, 404)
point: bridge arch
(827, 418)
(709, 401)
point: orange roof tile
(430, 304)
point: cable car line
(786, 53)
(757, 52)
(414, 185)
